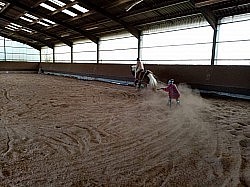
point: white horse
(143, 77)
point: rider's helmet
(171, 81)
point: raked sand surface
(57, 131)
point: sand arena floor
(57, 131)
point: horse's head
(133, 69)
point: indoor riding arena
(73, 114)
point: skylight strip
(48, 7)
(16, 25)
(26, 19)
(9, 28)
(31, 16)
(79, 8)
(49, 21)
(2, 4)
(69, 13)
(13, 27)
(92, 28)
(26, 30)
(57, 2)
(42, 23)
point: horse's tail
(152, 81)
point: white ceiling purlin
(115, 4)
(208, 2)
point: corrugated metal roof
(105, 16)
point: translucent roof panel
(79, 8)
(31, 16)
(48, 7)
(27, 30)
(26, 19)
(69, 13)
(42, 23)
(49, 21)
(57, 2)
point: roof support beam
(21, 41)
(29, 37)
(38, 3)
(146, 10)
(69, 43)
(114, 4)
(214, 49)
(210, 17)
(59, 22)
(208, 2)
(208, 14)
(90, 5)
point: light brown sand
(59, 131)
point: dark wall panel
(234, 79)
(18, 66)
(119, 71)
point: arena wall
(18, 66)
(229, 79)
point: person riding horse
(138, 71)
(142, 76)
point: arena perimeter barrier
(232, 81)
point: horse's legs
(139, 84)
(136, 82)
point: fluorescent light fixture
(2, 4)
(57, 2)
(48, 7)
(79, 8)
(69, 13)
(26, 19)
